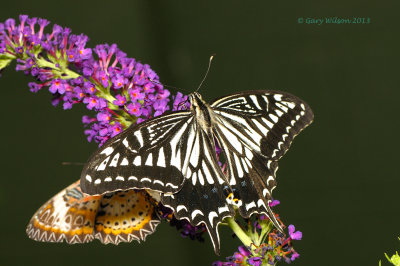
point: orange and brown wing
(76, 217)
(124, 216)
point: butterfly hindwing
(124, 216)
(68, 216)
(75, 217)
(145, 156)
(254, 130)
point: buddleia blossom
(122, 90)
(268, 246)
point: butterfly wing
(124, 216)
(145, 156)
(68, 216)
(202, 198)
(75, 217)
(254, 130)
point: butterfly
(175, 155)
(76, 217)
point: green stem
(44, 63)
(238, 231)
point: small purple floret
(57, 85)
(294, 235)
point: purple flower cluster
(119, 89)
(273, 246)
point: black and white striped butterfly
(174, 154)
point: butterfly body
(202, 111)
(174, 155)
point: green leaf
(4, 61)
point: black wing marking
(254, 130)
(202, 198)
(150, 155)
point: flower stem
(238, 231)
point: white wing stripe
(207, 173)
(233, 140)
(149, 160)
(267, 122)
(197, 212)
(263, 129)
(139, 137)
(194, 155)
(238, 166)
(102, 166)
(201, 178)
(114, 161)
(161, 158)
(107, 151)
(244, 138)
(255, 101)
(137, 161)
(211, 217)
(181, 207)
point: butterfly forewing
(75, 217)
(148, 155)
(266, 121)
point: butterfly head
(196, 101)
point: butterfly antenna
(168, 86)
(208, 69)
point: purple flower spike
(294, 235)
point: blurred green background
(339, 184)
